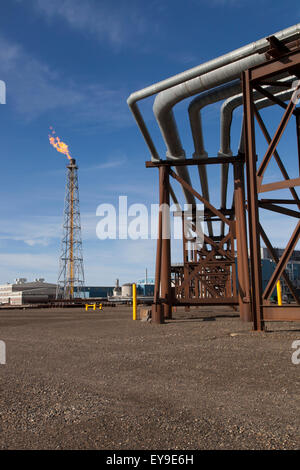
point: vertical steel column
(166, 245)
(185, 263)
(253, 216)
(157, 310)
(233, 276)
(242, 245)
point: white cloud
(37, 230)
(34, 89)
(111, 163)
(116, 22)
(37, 241)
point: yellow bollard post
(279, 296)
(134, 301)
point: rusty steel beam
(275, 83)
(271, 97)
(201, 198)
(278, 201)
(264, 188)
(275, 52)
(277, 157)
(218, 248)
(242, 244)
(287, 63)
(253, 216)
(166, 247)
(208, 301)
(162, 307)
(185, 261)
(279, 209)
(157, 310)
(281, 313)
(195, 161)
(278, 47)
(276, 154)
(277, 136)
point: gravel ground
(98, 380)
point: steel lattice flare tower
(71, 272)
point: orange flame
(58, 144)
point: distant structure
(117, 289)
(70, 282)
(22, 292)
(145, 287)
(71, 271)
(123, 294)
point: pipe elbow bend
(159, 104)
(131, 100)
(165, 100)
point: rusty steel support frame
(207, 277)
(162, 306)
(242, 244)
(166, 247)
(254, 78)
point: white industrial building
(23, 292)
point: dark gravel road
(98, 380)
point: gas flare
(58, 144)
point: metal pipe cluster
(213, 81)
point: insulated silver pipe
(232, 103)
(258, 46)
(198, 103)
(165, 101)
(206, 98)
(203, 77)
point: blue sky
(71, 64)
